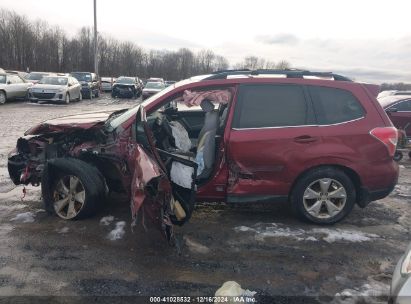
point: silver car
(12, 86)
(56, 89)
(401, 280)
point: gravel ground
(264, 248)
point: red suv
(317, 140)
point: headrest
(207, 105)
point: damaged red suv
(317, 140)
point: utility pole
(95, 39)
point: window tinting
(403, 105)
(335, 105)
(271, 106)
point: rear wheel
(2, 97)
(323, 196)
(398, 156)
(72, 189)
(80, 97)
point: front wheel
(323, 196)
(67, 100)
(71, 188)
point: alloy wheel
(69, 197)
(324, 198)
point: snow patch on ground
(263, 231)
(63, 230)
(402, 190)
(195, 247)
(335, 235)
(371, 292)
(9, 208)
(25, 217)
(106, 220)
(118, 232)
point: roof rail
(289, 73)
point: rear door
(273, 134)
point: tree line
(37, 46)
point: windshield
(154, 85)
(54, 80)
(82, 76)
(35, 76)
(125, 80)
(133, 111)
(2, 78)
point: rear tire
(398, 156)
(323, 195)
(3, 97)
(72, 189)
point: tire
(311, 196)
(80, 97)
(398, 156)
(3, 97)
(72, 189)
(67, 100)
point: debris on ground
(372, 292)
(235, 293)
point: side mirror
(391, 110)
(69, 84)
(9, 82)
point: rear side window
(262, 106)
(335, 105)
(403, 106)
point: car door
(400, 115)
(21, 87)
(273, 134)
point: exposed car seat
(205, 155)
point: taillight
(388, 136)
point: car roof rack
(289, 73)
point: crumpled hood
(80, 121)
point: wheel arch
(355, 178)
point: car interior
(191, 130)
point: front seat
(205, 155)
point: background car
(126, 87)
(169, 82)
(398, 108)
(401, 280)
(155, 79)
(12, 86)
(152, 88)
(35, 77)
(56, 89)
(107, 83)
(90, 85)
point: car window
(262, 106)
(403, 106)
(2, 78)
(335, 105)
(15, 79)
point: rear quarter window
(335, 105)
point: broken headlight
(406, 264)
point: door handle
(305, 139)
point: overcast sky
(367, 40)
